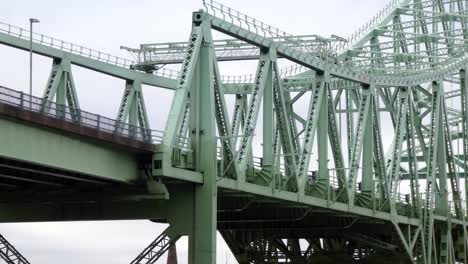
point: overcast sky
(106, 25)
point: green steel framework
(328, 187)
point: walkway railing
(364, 29)
(83, 118)
(251, 24)
(76, 49)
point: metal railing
(289, 71)
(364, 29)
(83, 118)
(248, 23)
(330, 49)
(76, 49)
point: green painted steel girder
(89, 63)
(57, 149)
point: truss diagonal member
(412, 158)
(356, 149)
(376, 56)
(282, 122)
(125, 102)
(293, 117)
(238, 116)
(252, 112)
(310, 128)
(179, 103)
(156, 249)
(394, 168)
(223, 124)
(72, 97)
(349, 121)
(10, 254)
(464, 109)
(446, 27)
(142, 115)
(450, 160)
(276, 183)
(334, 138)
(403, 45)
(417, 120)
(245, 29)
(380, 167)
(132, 111)
(423, 24)
(463, 20)
(61, 87)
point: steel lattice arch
(363, 140)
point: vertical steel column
(452, 169)
(428, 219)
(441, 198)
(322, 138)
(172, 255)
(202, 240)
(464, 110)
(268, 122)
(367, 181)
(193, 211)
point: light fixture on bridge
(31, 22)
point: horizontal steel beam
(57, 149)
(225, 49)
(88, 63)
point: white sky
(106, 25)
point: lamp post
(31, 22)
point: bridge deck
(20, 106)
(101, 152)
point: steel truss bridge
(363, 140)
